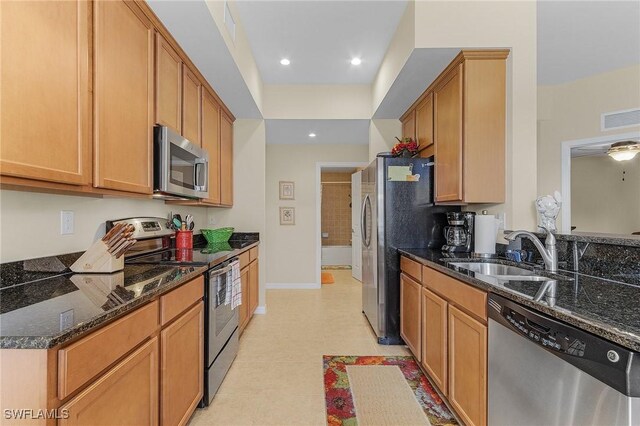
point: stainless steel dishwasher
(546, 372)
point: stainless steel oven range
(221, 322)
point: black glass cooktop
(205, 255)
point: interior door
(356, 238)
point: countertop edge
(591, 325)
(75, 333)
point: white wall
(600, 200)
(248, 211)
(382, 136)
(30, 222)
(292, 249)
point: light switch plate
(66, 222)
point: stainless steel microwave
(181, 168)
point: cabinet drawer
(84, 359)
(411, 268)
(253, 254)
(245, 259)
(472, 300)
(177, 301)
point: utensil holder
(184, 240)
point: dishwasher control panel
(548, 337)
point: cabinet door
(123, 97)
(243, 313)
(424, 122)
(190, 106)
(109, 401)
(410, 314)
(44, 91)
(211, 142)
(182, 366)
(254, 286)
(448, 137)
(226, 160)
(434, 338)
(409, 126)
(168, 85)
(468, 367)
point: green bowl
(220, 235)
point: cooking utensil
(177, 222)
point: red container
(184, 255)
(184, 240)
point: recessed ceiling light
(356, 61)
(285, 61)
(312, 135)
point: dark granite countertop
(605, 308)
(43, 304)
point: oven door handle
(218, 272)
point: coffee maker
(459, 233)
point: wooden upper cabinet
(409, 125)
(123, 97)
(410, 314)
(168, 85)
(447, 101)
(434, 338)
(182, 368)
(468, 367)
(110, 401)
(424, 125)
(44, 91)
(211, 142)
(226, 160)
(190, 106)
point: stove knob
(613, 356)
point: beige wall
(248, 211)
(572, 111)
(600, 200)
(239, 48)
(336, 208)
(399, 50)
(30, 222)
(497, 24)
(292, 249)
(382, 135)
(317, 102)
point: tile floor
(276, 378)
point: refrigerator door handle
(363, 214)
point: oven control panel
(144, 227)
(550, 338)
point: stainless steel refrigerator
(397, 212)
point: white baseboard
(260, 310)
(292, 286)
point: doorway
(338, 213)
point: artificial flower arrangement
(406, 147)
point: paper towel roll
(486, 233)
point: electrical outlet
(502, 218)
(212, 220)
(66, 222)
(66, 319)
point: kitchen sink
(495, 269)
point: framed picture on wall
(287, 190)
(287, 216)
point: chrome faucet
(548, 252)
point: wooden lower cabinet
(182, 366)
(434, 338)
(410, 313)
(468, 367)
(254, 286)
(243, 313)
(126, 394)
